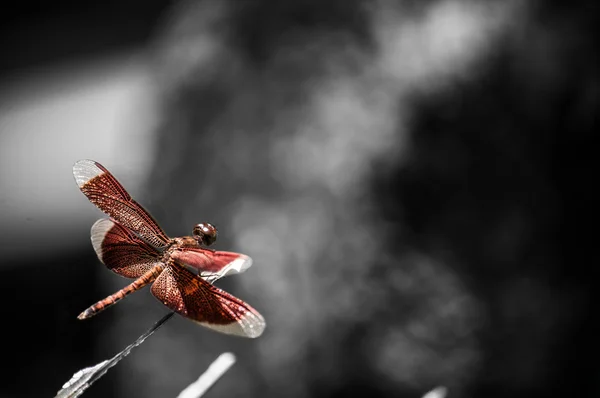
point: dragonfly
(181, 270)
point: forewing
(213, 264)
(103, 190)
(121, 251)
(194, 298)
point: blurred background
(412, 180)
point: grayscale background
(413, 180)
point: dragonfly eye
(205, 233)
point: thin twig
(84, 378)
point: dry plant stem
(209, 377)
(84, 378)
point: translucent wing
(194, 298)
(103, 190)
(121, 251)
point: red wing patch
(192, 297)
(121, 251)
(213, 264)
(103, 190)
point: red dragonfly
(181, 270)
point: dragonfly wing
(121, 250)
(213, 264)
(194, 298)
(103, 190)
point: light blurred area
(98, 109)
(74, 83)
(395, 169)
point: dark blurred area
(412, 180)
(34, 34)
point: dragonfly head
(205, 233)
